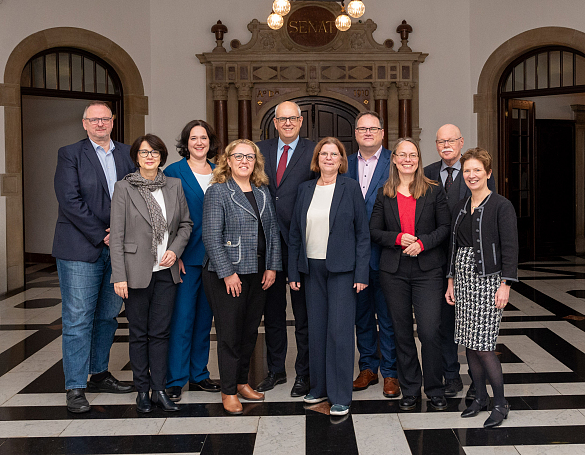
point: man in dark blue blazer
(288, 164)
(447, 171)
(84, 183)
(370, 166)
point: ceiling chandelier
(281, 8)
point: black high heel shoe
(160, 398)
(499, 413)
(476, 407)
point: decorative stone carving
(244, 90)
(380, 90)
(219, 29)
(313, 88)
(220, 91)
(357, 41)
(405, 90)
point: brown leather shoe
(246, 392)
(365, 379)
(391, 388)
(231, 404)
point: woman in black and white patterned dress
(483, 261)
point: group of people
(363, 241)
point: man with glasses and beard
(288, 162)
(447, 171)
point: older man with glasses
(84, 183)
(447, 171)
(288, 164)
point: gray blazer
(230, 230)
(131, 233)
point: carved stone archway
(246, 82)
(135, 109)
(486, 103)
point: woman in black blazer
(483, 261)
(410, 220)
(329, 243)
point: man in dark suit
(447, 172)
(288, 164)
(84, 183)
(370, 166)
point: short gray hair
(96, 103)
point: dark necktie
(282, 164)
(449, 180)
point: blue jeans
(370, 302)
(89, 310)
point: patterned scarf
(145, 187)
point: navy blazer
(230, 230)
(297, 171)
(459, 190)
(348, 246)
(378, 179)
(84, 200)
(431, 225)
(194, 251)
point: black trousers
(236, 324)
(275, 322)
(409, 288)
(448, 346)
(149, 313)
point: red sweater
(407, 212)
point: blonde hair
(222, 172)
(336, 142)
(419, 185)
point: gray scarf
(145, 187)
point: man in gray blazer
(288, 164)
(447, 171)
(84, 183)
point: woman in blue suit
(329, 243)
(192, 316)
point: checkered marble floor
(541, 346)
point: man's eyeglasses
(283, 120)
(241, 156)
(451, 142)
(96, 120)
(403, 156)
(144, 153)
(373, 129)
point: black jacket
(431, 226)
(494, 232)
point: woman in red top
(410, 220)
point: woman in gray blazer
(242, 255)
(150, 227)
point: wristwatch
(506, 283)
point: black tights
(485, 365)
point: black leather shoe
(301, 386)
(407, 403)
(76, 401)
(143, 403)
(159, 398)
(452, 386)
(174, 393)
(270, 381)
(476, 407)
(470, 395)
(439, 403)
(499, 413)
(207, 385)
(109, 385)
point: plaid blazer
(230, 230)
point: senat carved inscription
(312, 26)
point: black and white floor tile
(541, 344)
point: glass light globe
(343, 22)
(281, 7)
(275, 21)
(356, 8)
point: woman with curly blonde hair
(242, 244)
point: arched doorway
(488, 109)
(135, 109)
(322, 117)
(56, 85)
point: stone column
(381, 106)
(579, 116)
(220, 97)
(244, 110)
(405, 108)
